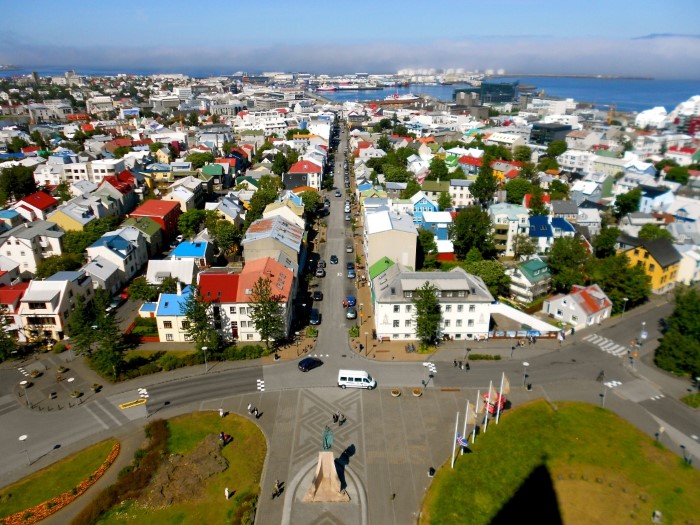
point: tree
(193, 119)
(108, 359)
(547, 163)
(471, 229)
(266, 312)
(384, 144)
(268, 189)
(558, 190)
(198, 160)
(190, 222)
(79, 326)
(678, 174)
(38, 139)
(198, 325)
(63, 192)
(155, 146)
(227, 236)
(412, 187)
(485, 184)
(140, 289)
(438, 169)
(620, 281)
(679, 351)
(8, 344)
(295, 131)
(121, 151)
(383, 125)
(16, 182)
(649, 232)
(605, 241)
(311, 200)
(427, 313)
(427, 256)
(493, 274)
(516, 189)
(58, 263)
(556, 148)
(522, 154)
(444, 200)
(537, 204)
(567, 262)
(16, 144)
(528, 171)
(280, 165)
(628, 202)
(523, 245)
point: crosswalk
(607, 345)
(431, 367)
(261, 385)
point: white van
(355, 379)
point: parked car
(321, 263)
(349, 247)
(315, 317)
(351, 300)
(318, 296)
(115, 303)
(347, 217)
(351, 313)
(334, 259)
(337, 193)
(309, 363)
(347, 208)
(320, 272)
(351, 266)
(351, 274)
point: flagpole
(476, 412)
(466, 418)
(486, 412)
(500, 394)
(454, 440)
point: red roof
(470, 161)
(528, 196)
(586, 297)
(87, 127)
(40, 200)
(302, 189)
(231, 162)
(122, 187)
(155, 207)
(11, 295)
(687, 151)
(281, 278)
(304, 166)
(218, 287)
(512, 174)
(30, 149)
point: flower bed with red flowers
(45, 509)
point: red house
(165, 213)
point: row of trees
(679, 350)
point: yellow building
(659, 259)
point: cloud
(677, 57)
(653, 36)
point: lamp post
(23, 440)
(686, 455)
(366, 347)
(24, 384)
(296, 336)
(525, 365)
(361, 305)
(643, 334)
(206, 366)
(624, 304)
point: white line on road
(110, 415)
(104, 425)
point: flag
(462, 441)
(506, 385)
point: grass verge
(579, 463)
(54, 480)
(245, 454)
(692, 400)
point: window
(232, 310)
(396, 323)
(448, 308)
(168, 337)
(185, 325)
(470, 322)
(408, 308)
(244, 324)
(472, 308)
(459, 323)
(559, 313)
(167, 324)
(407, 323)
(447, 323)
(652, 267)
(460, 308)
(396, 308)
(574, 318)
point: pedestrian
(460, 365)
(221, 436)
(341, 419)
(466, 366)
(455, 363)
(221, 412)
(335, 417)
(226, 493)
(250, 408)
(255, 412)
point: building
(545, 134)
(464, 302)
(30, 243)
(36, 206)
(392, 235)
(509, 221)
(659, 259)
(529, 280)
(269, 236)
(583, 306)
(165, 213)
(303, 173)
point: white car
(347, 209)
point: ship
(8, 67)
(326, 87)
(407, 97)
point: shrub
(484, 357)
(239, 353)
(59, 347)
(311, 332)
(170, 362)
(354, 331)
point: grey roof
(564, 207)
(663, 251)
(29, 230)
(461, 183)
(101, 268)
(396, 185)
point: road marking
(131, 404)
(116, 421)
(431, 366)
(606, 345)
(104, 425)
(261, 385)
(612, 384)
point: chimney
(179, 288)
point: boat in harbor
(326, 87)
(406, 97)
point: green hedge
(484, 357)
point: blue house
(438, 223)
(421, 204)
(544, 230)
(201, 251)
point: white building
(30, 243)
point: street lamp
(643, 334)
(366, 347)
(686, 455)
(361, 305)
(23, 440)
(525, 365)
(24, 384)
(624, 304)
(206, 366)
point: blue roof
(8, 214)
(539, 226)
(11, 155)
(148, 307)
(116, 243)
(190, 249)
(562, 224)
(64, 276)
(173, 304)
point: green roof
(535, 270)
(213, 169)
(607, 153)
(435, 186)
(145, 224)
(246, 178)
(380, 266)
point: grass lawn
(692, 400)
(150, 354)
(53, 480)
(245, 455)
(580, 461)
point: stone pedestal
(325, 485)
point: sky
(624, 37)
